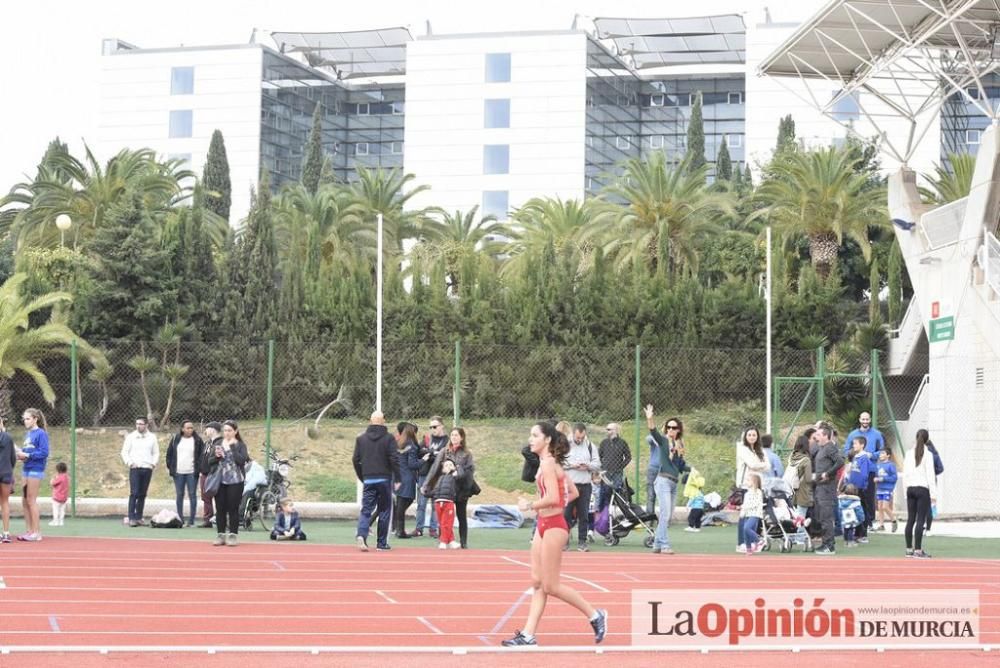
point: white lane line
(54, 624)
(277, 564)
(510, 611)
(629, 577)
(386, 596)
(3, 585)
(430, 626)
(568, 577)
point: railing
(916, 397)
(941, 226)
(991, 264)
(904, 339)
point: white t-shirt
(185, 455)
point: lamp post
(63, 222)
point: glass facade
(361, 126)
(613, 122)
(962, 124)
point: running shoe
(362, 544)
(583, 547)
(895, 525)
(5, 538)
(442, 546)
(454, 545)
(600, 626)
(520, 640)
(920, 554)
(909, 552)
(863, 540)
(741, 548)
(382, 548)
(825, 552)
(32, 537)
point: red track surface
(115, 593)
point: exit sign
(942, 329)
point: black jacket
(432, 446)
(8, 455)
(615, 454)
(465, 466)
(375, 454)
(828, 460)
(209, 462)
(409, 464)
(199, 452)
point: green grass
(713, 540)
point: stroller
(779, 525)
(624, 516)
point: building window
(656, 141)
(973, 94)
(181, 80)
(497, 67)
(847, 108)
(361, 148)
(684, 99)
(736, 98)
(657, 100)
(734, 141)
(973, 136)
(496, 203)
(496, 113)
(398, 108)
(181, 123)
(496, 159)
(364, 109)
(396, 147)
(623, 143)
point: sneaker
(741, 549)
(863, 540)
(600, 626)
(418, 533)
(920, 554)
(690, 529)
(895, 525)
(434, 533)
(442, 546)
(232, 540)
(656, 550)
(852, 543)
(382, 548)
(5, 538)
(519, 640)
(583, 547)
(362, 543)
(31, 537)
(53, 523)
(666, 550)
(927, 532)
(909, 552)
(133, 524)
(219, 540)
(454, 545)
(825, 551)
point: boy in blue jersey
(858, 477)
(885, 480)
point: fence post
(457, 393)
(638, 428)
(270, 398)
(873, 379)
(72, 426)
(821, 385)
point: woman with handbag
(184, 454)
(225, 464)
(465, 466)
(750, 459)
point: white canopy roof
(361, 53)
(683, 41)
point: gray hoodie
(584, 453)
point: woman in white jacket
(750, 459)
(921, 492)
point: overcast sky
(50, 52)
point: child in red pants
(445, 489)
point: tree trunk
(150, 419)
(823, 250)
(103, 410)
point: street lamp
(63, 222)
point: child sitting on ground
(851, 513)
(287, 525)
(885, 481)
(696, 500)
(60, 494)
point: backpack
(531, 464)
(792, 476)
(938, 464)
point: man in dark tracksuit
(826, 464)
(377, 466)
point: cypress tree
(215, 177)
(786, 134)
(326, 175)
(696, 135)
(312, 166)
(748, 177)
(895, 280)
(260, 264)
(723, 163)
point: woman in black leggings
(232, 456)
(921, 492)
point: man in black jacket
(827, 462)
(434, 443)
(615, 456)
(377, 466)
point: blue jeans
(666, 492)
(748, 528)
(189, 482)
(376, 496)
(604, 495)
(422, 508)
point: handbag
(474, 489)
(213, 479)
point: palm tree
(23, 347)
(457, 238)
(669, 209)
(85, 191)
(952, 183)
(331, 219)
(572, 227)
(380, 191)
(822, 196)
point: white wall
(445, 135)
(136, 102)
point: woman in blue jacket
(409, 469)
(35, 454)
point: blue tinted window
(496, 203)
(496, 113)
(496, 159)
(846, 108)
(497, 67)
(181, 123)
(181, 80)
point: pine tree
(215, 177)
(786, 134)
(260, 258)
(326, 175)
(312, 166)
(696, 135)
(723, 163)
(895, 280)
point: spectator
(750, 459)
(444, 490)
(938, 470)
(34, 454)
(60, 494)
(141, 454)
(885, 479)
(828, 461)
(752, 514)
(376, 465)
(465, 469)
(851, 512)
(696, 500)
(409, 468)
(213, 437)
(777, 470)
(802, 486)
(874, 444)
(8, 460)
(434, 443)
(858, 475)
(231, 454)
(921, 492)
(652, 471)
(672, 465)
(184, 452)
(581, 464)
(287, 525)
(614, 455)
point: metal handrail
(911, 313)
(992, 261)
(913, 404)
